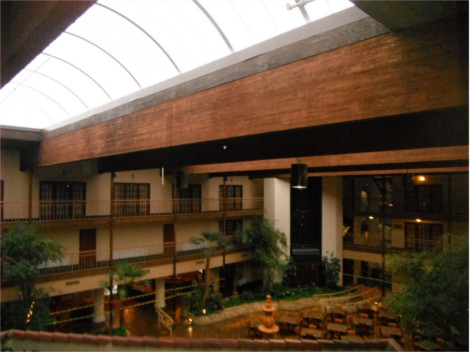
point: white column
(332, 219)
(277, 205)
(277, 209)
(160, 292)
(98, 309)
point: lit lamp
(299, 176)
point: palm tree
(213, 240)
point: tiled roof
(165, 343)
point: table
(287, 323)
(314, 317)
(426, 345)
(288, 319)
(364, 325)
(312, 333)
(338, 312)
(363, 321)
(337, 328)
(389, 316)
(390, 331)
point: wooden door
(169, 239)
(88, 247)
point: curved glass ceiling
(119, 47)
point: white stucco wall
(332, 218)
(277, 205)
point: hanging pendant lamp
(299, 176)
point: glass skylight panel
(121, 46)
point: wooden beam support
(396, 73)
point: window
(231, 197)
(424, 199)
(62, 200)
(188, 200)
(232, 226)
(420, 237)
(132, 199)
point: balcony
(375, 243)
(76, 263)
(399, 208)
(126, 210)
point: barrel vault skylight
(119, 47)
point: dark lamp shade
(299, 176)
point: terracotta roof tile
(245, 344)
(262, 345)
(197, 343)
(33, 335)
(104, 339)
(46, 336)
(230, 344)
(326, 344)
(210, 342)
(293, 344)
(311, 345)
(75, 337)
(20, 334)
(166, 341)
(88, 338)
(135, 341)
(150, 341)
(60, 336)
(119, 340)
(278, 344)
(182, 342)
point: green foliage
(23, 251)
(268, 247)
(26, 315)
(124, 275)
(331, 269)
(436, 293)
(211, 238)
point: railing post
(111, 245)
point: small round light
(418, 220)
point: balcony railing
(41, 211)
(374, 242)
(395, 206)
(74, 262)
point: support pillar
(357, 270)
(277, 209)
(98, 308)
(160, 293)
(332, 219)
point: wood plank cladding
(416, 70)
(371, 158)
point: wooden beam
(370, 158)
(416, 70)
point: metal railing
(391, 206)
(164, 319)
(43, 211)
(376, 242)
(73, 262)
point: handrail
(87, 260)
(165, 319)
(63, 210)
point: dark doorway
(169, 239)
(306, 207)
(87, 247)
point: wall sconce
(299, 176)
(421, 178)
